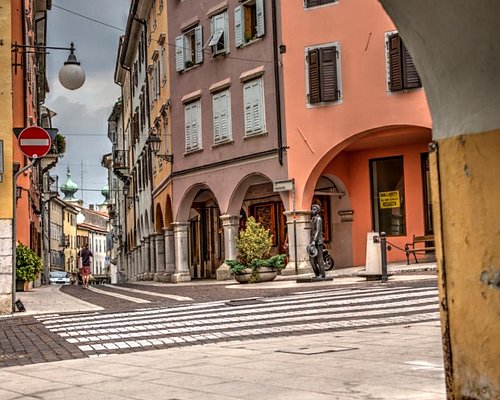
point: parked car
(59, 277)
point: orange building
(357, 127)
(28, 91)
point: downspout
(277, 82)
(25, 67)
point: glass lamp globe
(72, 75)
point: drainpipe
(277, 82)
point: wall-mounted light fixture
(154, 143)
(71, 75)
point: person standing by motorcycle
(315, 248)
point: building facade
(254, 93)
(357, 127)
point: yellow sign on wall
(389, 199)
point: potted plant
(59, 145)
(254, 263)
(28, 265)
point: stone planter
(266, 274)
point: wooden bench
(419, 245)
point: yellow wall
(6, 110)
(468, 238)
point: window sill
(194, 66)
(255, 135)
(324, 103)
(250, 42)
(225, 143)
(191, 152)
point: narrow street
(210, 340)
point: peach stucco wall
(316, 134)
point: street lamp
(71, 75)
(154, 143)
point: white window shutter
(195, 124)
(238, 26)
(179, 53)
(261, 29)
(198, 37)
(225, 116)
(248, 108)
(187, 126)
(217, 117)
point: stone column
(152, 256)
(159, 240)
(182, 273)
(230, 224)
(6, 259)
(169, 254)
(303, 228)
(146, 262)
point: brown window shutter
(314, 83)
(328, 74)
(410, 74)
(395, 67)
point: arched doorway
(204, 236)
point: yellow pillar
(465, 174)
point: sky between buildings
(82, 114)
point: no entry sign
(34, 142)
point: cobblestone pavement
(162, 322)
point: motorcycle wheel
(328, 262)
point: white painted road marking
(166, 296)
(120, 296)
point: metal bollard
(383, 255)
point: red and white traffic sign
(34, 142)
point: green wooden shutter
(329, 88)
(410, 74)
(313, 72)
(395, 66)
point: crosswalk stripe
(118, 295)
(154, 294)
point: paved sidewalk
(394, 362)
(50, 299)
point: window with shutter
(219, 39)
(401, 69)
(192, 121)
(322, 74)
(249, 23)
(189, 49)
(253, 92)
